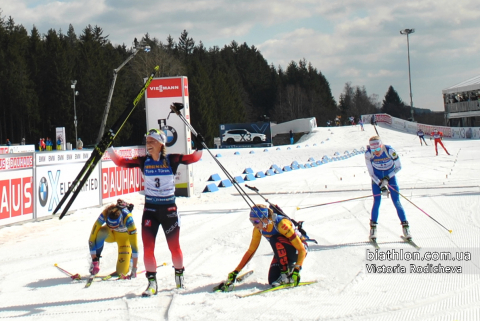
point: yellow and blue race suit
(125, 235)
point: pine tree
(202, 102)
(393, 105)
(36, 54)
(21, 94)
(185, 45)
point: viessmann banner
(160, 94)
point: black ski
(374, 243)
(90, 281)
(100, 149)
(409, 241)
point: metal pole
(110, 95)
(75, 114)
(136, 49)
(409, 78)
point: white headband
(375, 143)
(160, 137)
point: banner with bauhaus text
(117, 181)
(16, 188)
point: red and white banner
(412, 127)
(16, 196)
(17, 162)
(16, 188)
(117, 181)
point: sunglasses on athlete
(153, 131)
(375, 145)
(254, 221)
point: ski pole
(275, 207)
(143, 271)
(175, 108)
(450, 231)
(72, 276)
(350, 199)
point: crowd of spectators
(464, 96)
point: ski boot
(152, 285)
(179, 278)
(373, 230)
(406, 230)
(283, 279)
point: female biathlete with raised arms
(159, 171)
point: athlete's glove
(95, 266)
(384, 185)
(384, 190)
(232, 276)
(229, 284)
(199, 140)
(295, 276)
(133, 273)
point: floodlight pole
(74, 82)
(407, 32)
(137, 47)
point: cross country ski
(280, 287)
(409, 241)
(239, 279)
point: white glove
(384, 186)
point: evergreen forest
(233, 84)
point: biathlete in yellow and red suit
(288, 245)
(115, 224)
(159, 169)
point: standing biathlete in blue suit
(383, 163)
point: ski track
(215, 234)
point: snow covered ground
(216, 232)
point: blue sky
(355, 41)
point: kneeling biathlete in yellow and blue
(288, 245)
(115, 224)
